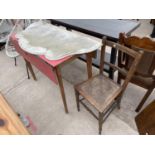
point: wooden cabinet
(10, 124)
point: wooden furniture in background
(100, 91)
(145, 120)
(153, 31)
(143, 76)
(10, 123)
(152, 21)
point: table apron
(41, 65)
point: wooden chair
(100, 91)
(143, 76)
(145, 120)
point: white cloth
(55, 43)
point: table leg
(27, 69)
(112, 60)
(60, 82)
(28, 66)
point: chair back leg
(119, 78)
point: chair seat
(100, 91)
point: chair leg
(77, 99)
(119, 79)
(100, 122)
(143, 100)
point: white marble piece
(55, 43)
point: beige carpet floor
(42, 102)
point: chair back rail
(135, 55)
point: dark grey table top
(100, 27)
